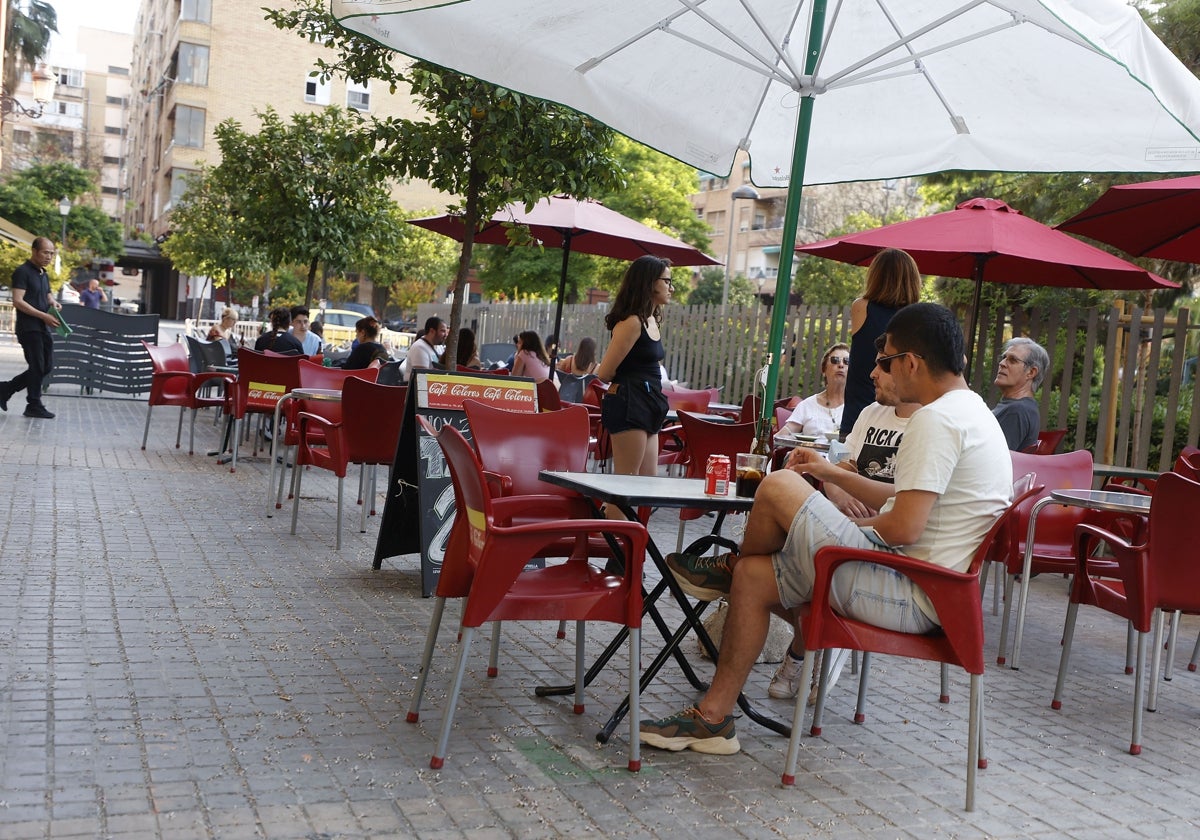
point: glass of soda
(750, 471)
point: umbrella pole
(791, 218)
(974, 322)
(562, 286)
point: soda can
(716, 476)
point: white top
(812, 418)
(421, 354)
(873, 441)
(954, 447)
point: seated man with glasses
(1019, 373)
(953, 478)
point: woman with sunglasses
(634, 408)
(821, 414)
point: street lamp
(43, 91)
(744, 191)
(64, 209)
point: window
(21, 137)
(191, 64)
(179, 185)
(114, 70)
(69, 76)
(716, 221)
(189, 126)
(316, 91)
(113, 129)
(197, 10)
(66, 109)
(114, 100)
(110, 190)
(111, 159)
(358, 97)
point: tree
(488, 145)
(30, 197)
(208, 235)
(28, 37)
(711, 287)
(406, 263)
(307, 191)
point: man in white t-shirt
(953, 479)
(423, 353)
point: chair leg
(1008, 588)
(982, 761)
(580, 688)
(1155, 660)
(635, 675)
(860, 708)
(944, 697)
(822, 691)
(146, 432)
(341, 483)
(289, 454)
(435, 622)
(237, 434)
(1130, 642)
(192, 434)
(562, 629)
(1064, 660)
(1172, 641)
(1139, 688)
(998, 571)
(494, 654)
(179, 427)
(974, 725)
(1195, 655)
(793, 751)
(297, 476)
(362, 497)
(460, 667)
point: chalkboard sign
(419, 510)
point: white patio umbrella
(906, 87)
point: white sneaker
(786, 682)
(840, 657)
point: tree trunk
(312, 279)
(471, 224)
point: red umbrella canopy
(1152, 219)
(582, 226)
(986, 239)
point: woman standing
(531, 359)
(822, 413)
(893, 281)
(634, 408)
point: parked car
(338, 328)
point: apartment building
(197, 63)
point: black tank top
(860, 391)
(641, 362)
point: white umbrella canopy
(821, 93)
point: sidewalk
(175, 664)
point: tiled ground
(173, 663)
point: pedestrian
(893, 281)
(93, 295)
(634, 408)
(32, 302)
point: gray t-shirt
(1020, 421)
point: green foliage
(11, 257)
(820, 282)
(486, 144)
(711, 285)
(407, 264)
(28, 37)
(30, 197)
(308, 191)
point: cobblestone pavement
(174, 663)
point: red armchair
(173, 383)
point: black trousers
(39, 356)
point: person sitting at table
(821, 414)
(858, 486)
(531, 359)
(1018, 374)
(368, 353)
(583, 361)
(423, 353)
(224, 329)
(953, 478)
(300, 329)
(279, 340)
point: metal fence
(1142, 419)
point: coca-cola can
(716, 475)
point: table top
(673, 417)
(651, 490)
(1114, 471)
(318, 394)
(787, 441)
(1103, 500)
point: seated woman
(224, 330)
(582, 361)
(821, 414)
(531, 359)
(368, 353)
(468, 350)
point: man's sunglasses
(885, 362)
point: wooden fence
(1142, 419)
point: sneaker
(840, 657)
(704, 577)
(688, 730)
(786, 682)
(39, 411)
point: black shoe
(39, 411)
(5, 396)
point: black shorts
(634, 405)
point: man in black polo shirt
(32, 301)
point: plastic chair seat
(174, 384)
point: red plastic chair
(173, 383)
(705, 438)
(485, 562)
(547, 396)
(1047, 443)
(311, 375)
(1156, 575)
(367, 434)
(751, 408)
(686, 399)
(955, 597)
(602, 444)
(263, 378)
(1053, 547)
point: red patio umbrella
(584, 226)
(1152, 219)
(985, 239)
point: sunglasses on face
(885, 362)
(841, 361)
